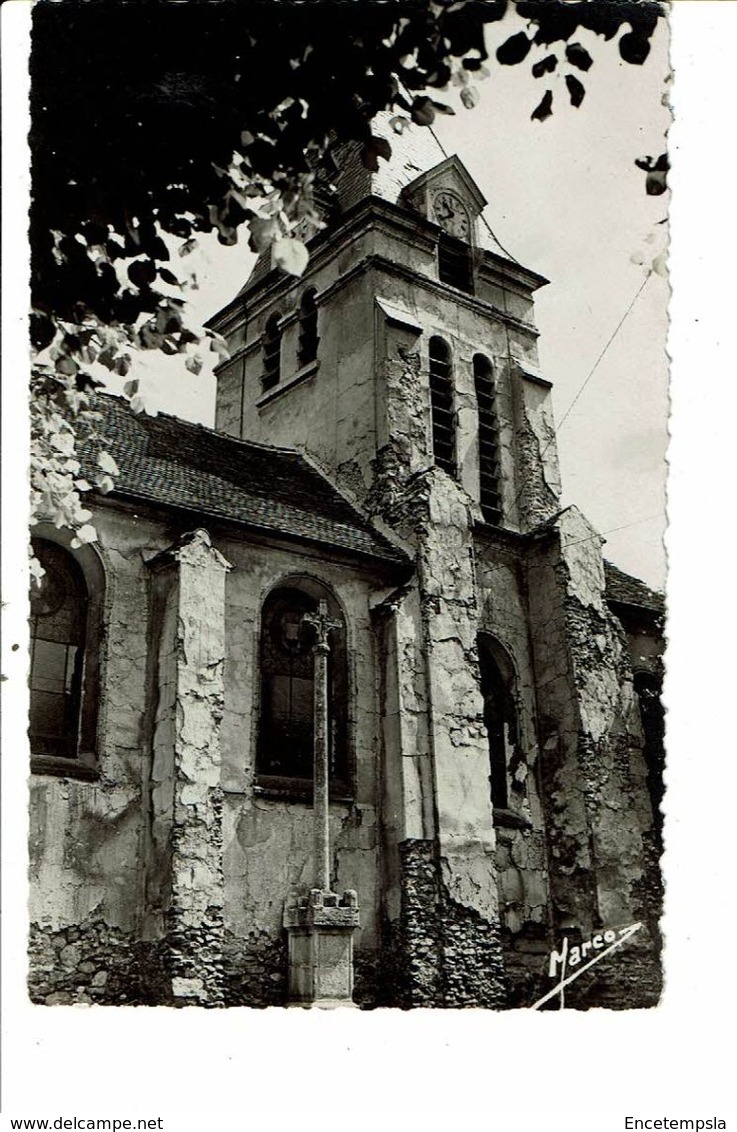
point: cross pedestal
(320, 928)
(320, 925)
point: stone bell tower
(405, 277)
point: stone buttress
(183, 903)
(598, 812)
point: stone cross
(322, 626)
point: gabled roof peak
(450, 167)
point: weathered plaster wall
(267, 839)
(521, 856)
(599, 818)
(85, 849)
(442, 907)
(538, 473)
(135, 858)
(185, 796)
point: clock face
(451, 214)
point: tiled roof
(173, 463)
(626, 590)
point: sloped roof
(626, 590)
(174, 463)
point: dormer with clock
(448, 196)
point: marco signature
(561, 962)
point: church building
(366, 563)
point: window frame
(455, 263)
(492, 652)
(271, 352)
(292, 786)
(443, 417)
(83, 763)
(489, 446)
(308, 341)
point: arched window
(500, 714)
(489, 495)
(308, 338)
(441, 406)
(272, 352)
(286, 740)
(64, 659)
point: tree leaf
(575, 89)
(656, 183)
(218, 345)
(149, 337)
(66, 365)
(399, 123)
(84, 534)
(423, 111)
(142, 272)
(578, 56)
(42, 330)
(634, 48)
(290, 255)
(545, 107)
(469, 97)
(169, 277)
(514, 49)
(263, 232)
(107, 463)
(545, 66)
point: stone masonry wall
(442, 953)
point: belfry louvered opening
(455, 265)
(489, 472)
(441, 403)
(272, 353)
(308, 337)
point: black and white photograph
(339, 640)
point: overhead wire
(582, 387)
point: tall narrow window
(489, 493)
(455, 265)
(308, 339)
(286, 740)
(272, 352)
(500, 714)
(441, 405)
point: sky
(566, 199)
